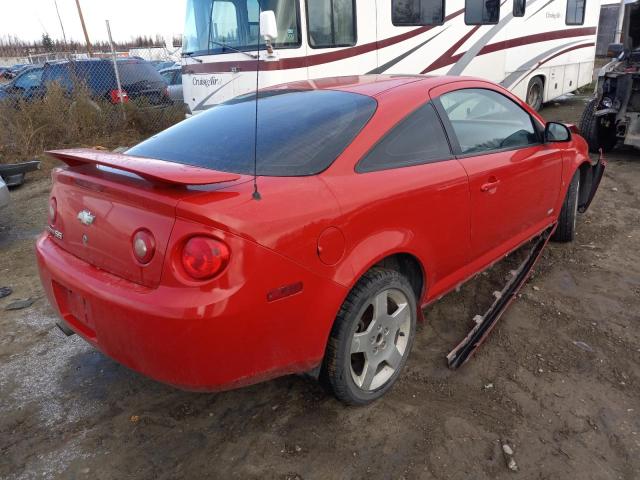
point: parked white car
(173, 77)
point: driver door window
(485, 121)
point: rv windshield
(212, 24)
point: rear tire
(566, 230)
(599, 132)
(535, 93)
(371, 338)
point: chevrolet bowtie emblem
(85, 217)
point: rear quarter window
(417, 139)
(300, 132)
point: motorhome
(538, 49)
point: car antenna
(256, 193)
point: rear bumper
(210, 339)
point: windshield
(29, 79)
(300, 132)
(212, 24)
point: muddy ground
(559, 380)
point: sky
(29, 19)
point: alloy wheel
(380, 340)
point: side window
(481, 12)
(519, 6)
(224, 18)
(575, 12)
(417, 139)
(178, 79)
(484, 120)
(168, 76)
(417, 12)
(59, 74)
(332, 23)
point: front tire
(371, 338)
(566, 230)
(599, 132)
(535, 93)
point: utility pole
(115, 69)
(618, 37)
(84, 29)
(64, 36)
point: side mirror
(614, 50)
(556, 132)
(268, 25)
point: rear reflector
(53, 210)
(285, 291)
(204, 257)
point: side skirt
(485, 323)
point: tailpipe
(64, 329)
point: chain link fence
(103, 102)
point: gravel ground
(558, 380)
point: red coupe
(374, 196)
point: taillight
(144, 246)
(119, 96)
(53, 210)
(203, 257)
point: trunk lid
(105, 198)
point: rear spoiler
(147, 168)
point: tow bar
(485, 323)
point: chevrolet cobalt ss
(374, 196)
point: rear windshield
(134, 72)
(300, 132)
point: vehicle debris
(583, 346)
(484, 324)
(20, 304)
(613, 114)
(508, 457)
(5, 291)
(13, 173)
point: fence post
(115, 68)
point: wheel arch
(410, 267)
(399, 258)
(543, 78)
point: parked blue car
(138, 79)
(25, 86)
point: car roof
(370, 85)
(97, 60)
(169, 69)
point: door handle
(492, 184)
